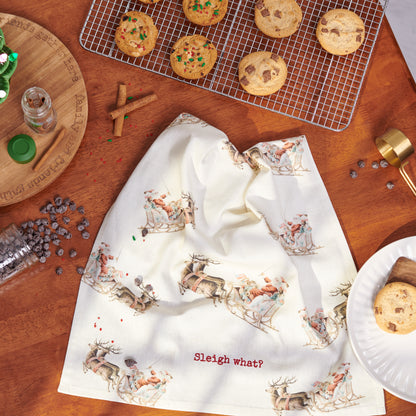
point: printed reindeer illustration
(340, 311)
(139, 303)
(162, 216)
(195, 279)
(95, 361)
(334, 392)
(282, 400)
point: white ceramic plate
(389, 358)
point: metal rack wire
(321, 88)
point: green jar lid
(22, 148)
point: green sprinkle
(203, 64)
(109, 140)
(126, 117)
(207, 3)
(130, 98)
(191, 59)
(129, 18)
(216, 12)
(134, 238)
(179, 58)
(13, 57)
(200, 58)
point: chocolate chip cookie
(136, 34)
(262, 73)
(340, 31)
(204, 13)
(193, 56)
(149, 1)
(277, 18)
(395, 308)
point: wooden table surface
(37, 306)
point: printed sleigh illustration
(133, 385)
(296, 236)
(322, 328)
(162, 216)
(254, 303)
(333, 393)
(107, 280)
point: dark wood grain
(37, 306)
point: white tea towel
(218, 283)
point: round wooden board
(43, 61)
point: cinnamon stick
(134, 105)
(121, 100)
(51, 148)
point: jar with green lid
(15, 254)
(38, 111)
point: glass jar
(38, 111)
(15, 253)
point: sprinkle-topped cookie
(205, 12)
(277, 18)
(136, 34)
(340, 31)
(193, 56)
(262, 73)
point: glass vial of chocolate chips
(38, 111)
(15, 253)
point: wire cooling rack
(321, 88)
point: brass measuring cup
(395, 147)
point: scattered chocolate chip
(324, 21)
(81, 210)
(375, 165)
(336, 31)
(353, 173)
(72, 252)
(144, 232)
(358, 39)
(390, 185)
(80, 270)
(274, 56)
(59, 270)
(398, 310)
(384, 163)
(85, 235)
(361, 163)
(324, 30)
(59, 252)
(278, 14)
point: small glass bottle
(15, 253)
(38, 111)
